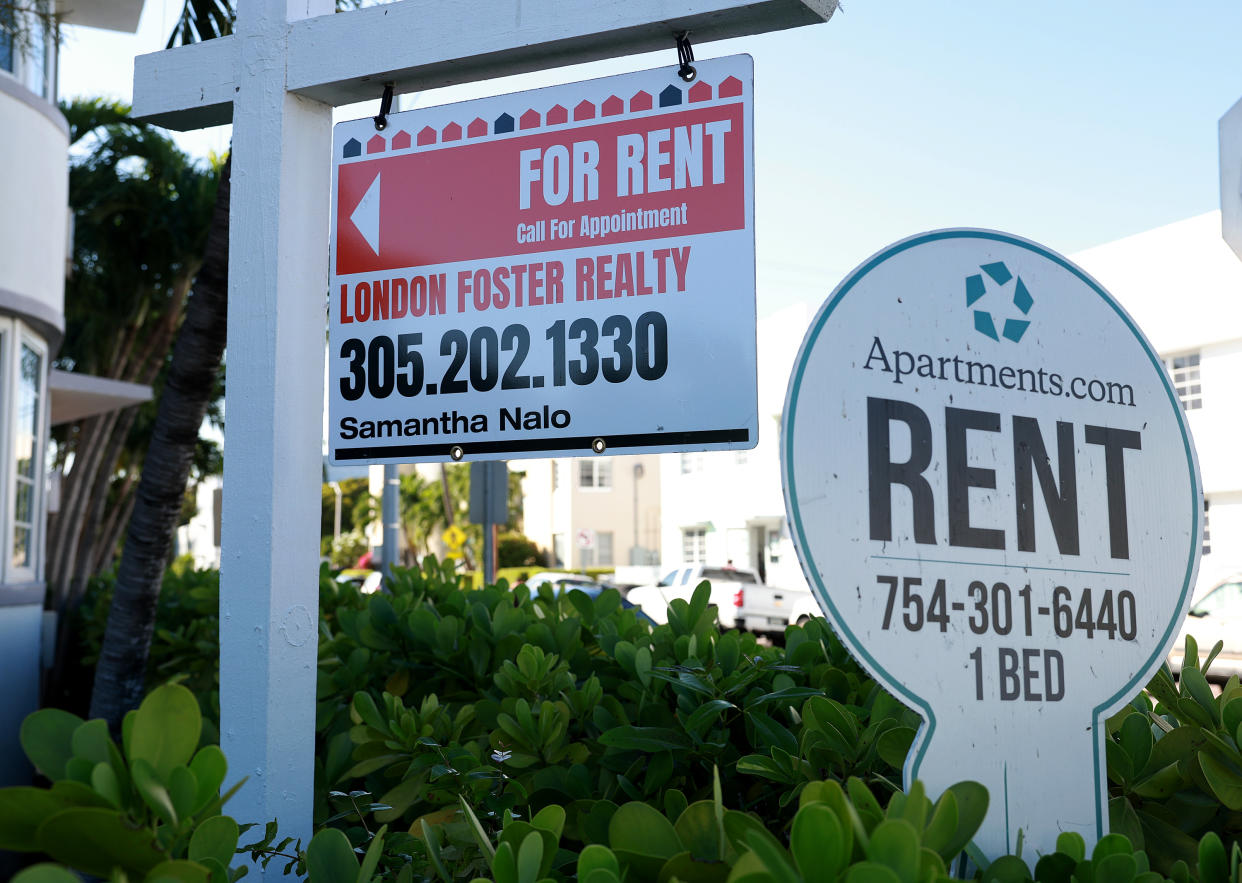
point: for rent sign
(995, 497)
(550, 272)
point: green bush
(149, 810)
(453, 719)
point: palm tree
(141, 211)
(196, 360)
(121, 672)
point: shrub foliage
(523, 736)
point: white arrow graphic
(366, 216)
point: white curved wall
(34, 194)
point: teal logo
(1006, 290)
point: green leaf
(46, 873)
(47, 738)
(106, 784)
(183, 790)
(209, 768)
(216, 838)
(1212, 860)
(648, 739)
(550, 818)
(740, 827)
(864, 803)
(1007, 869)
(1114, 869)
(871, 872)
(895, 843)
(370, 861)
(166, 729)
(697, 830)
(515, 834)
(1225, 783)
(773, 857)
(642, 665)
(643, 838)
(972, 806)
(941, 830)
(504, 865)
(1194, 683)
(818, 844)
(1056, 867)
(893, 745)
(530, 858)
(701, 719)
(22, 810)
(153, 792)
(1136, 739)
(1072, 844)
(91, 741)
(476, 829)
(685, 868)
(771, 733)
(1122, 819)
(370, 715)
(98, 840)
(178, 871)
(595, 857)
(330, 858)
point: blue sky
(1072, 123)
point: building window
(595, 474)
(559, 550)
(691, 462)
(603, 548)
(7, 38)
(1207, 528)
(694, 545)
(25, 368)
(1184, 370)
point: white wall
(738, 493)
(34, 197)
(1183, 286)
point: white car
(1216, 616)
(729, 585)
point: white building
(1183, 286)
(722, 506)
(34, 236)
(594, 511)
(1181, 283)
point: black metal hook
(381, 121)
(685, 55)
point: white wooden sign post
(277, 79)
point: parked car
(565, 582)
(742, 599)
(362, 578)
(1216, 616)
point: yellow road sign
(454, 537)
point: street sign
(454, 538)
(565, 271)
(995, 498)
(586, 538)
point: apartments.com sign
(995, 498)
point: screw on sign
(995, 498)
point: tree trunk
(121, 672)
